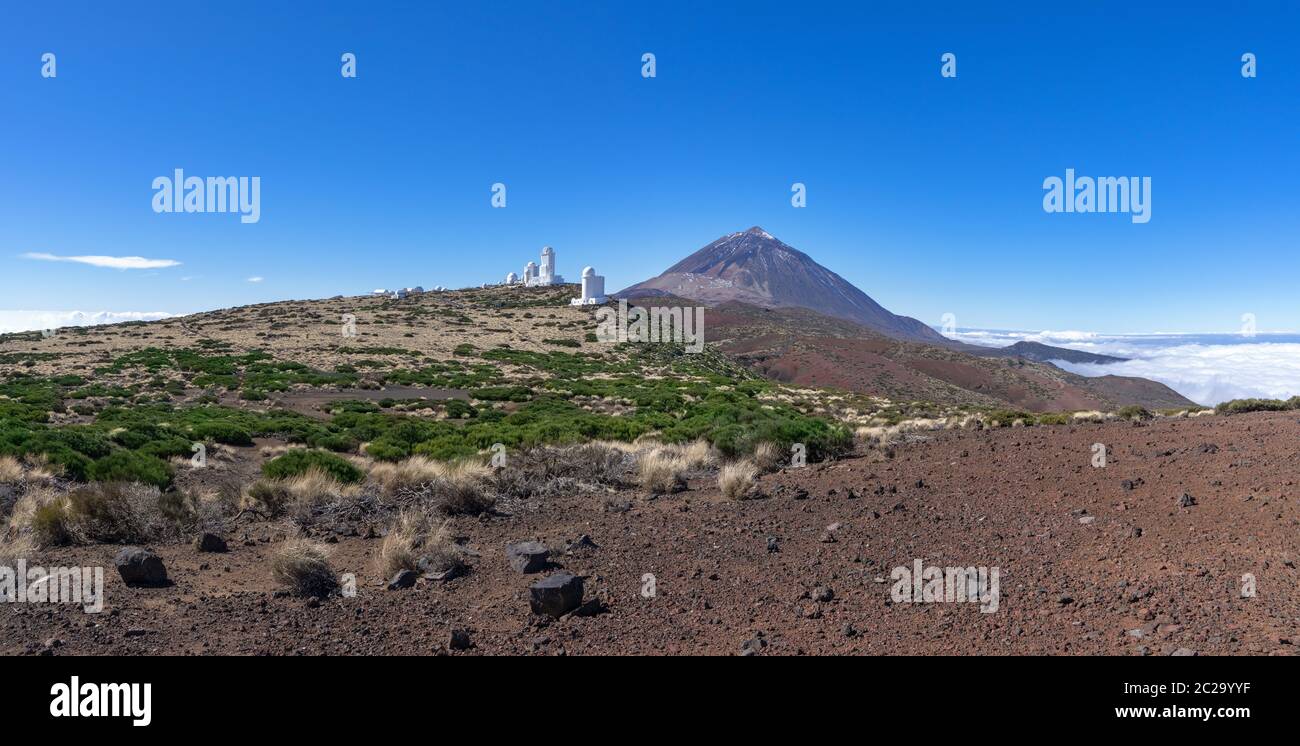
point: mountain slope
(756, 268)
(804, 348)
(1041, 353)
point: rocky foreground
(1148, 555)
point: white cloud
(1206, 368)
(111, 262)
(256, 279)
(26, 321)
(1209, 374)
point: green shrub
(1005, 417)
(300, 460)
(130, 466)
(380, 450)
(459, 410)
(502, 393)
(339, 442)
(1241, 406)
(1134, 412)
(223, 432)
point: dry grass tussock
(16, 548)
(449, 488)
(36, 470)
(661, 472)
(111, 513)
(299, 496)
(11, 470)
(768, 457)
(413, 537)
(548, 471)
(303, 567)
(736, 480)
(419, 470)
(662, 468)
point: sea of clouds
(1206, 368)
(27, 321)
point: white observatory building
(593, 289)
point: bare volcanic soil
(1108, 560)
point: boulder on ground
(403, 579)
(556, 595)
(528, 556)
(207, 542)
(140, 567)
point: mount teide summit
(756, 268)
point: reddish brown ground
(1008, 498)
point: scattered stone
(136, 632)
(1209, 448)
(581, 544)
(849, 630)
(207, 542)
(556, 595)
(773, 545)
(140, 567)
(1183, 653)
(594, 606)
(823, 594)
(437, 570)
(1087, 519)
(1186, 501)
(753, 646)
(800, 494)
(528, 556)
(403, 579)
(460, 640)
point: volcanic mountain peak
(755, 267)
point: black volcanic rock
(754, 267)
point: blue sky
(925, 192)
